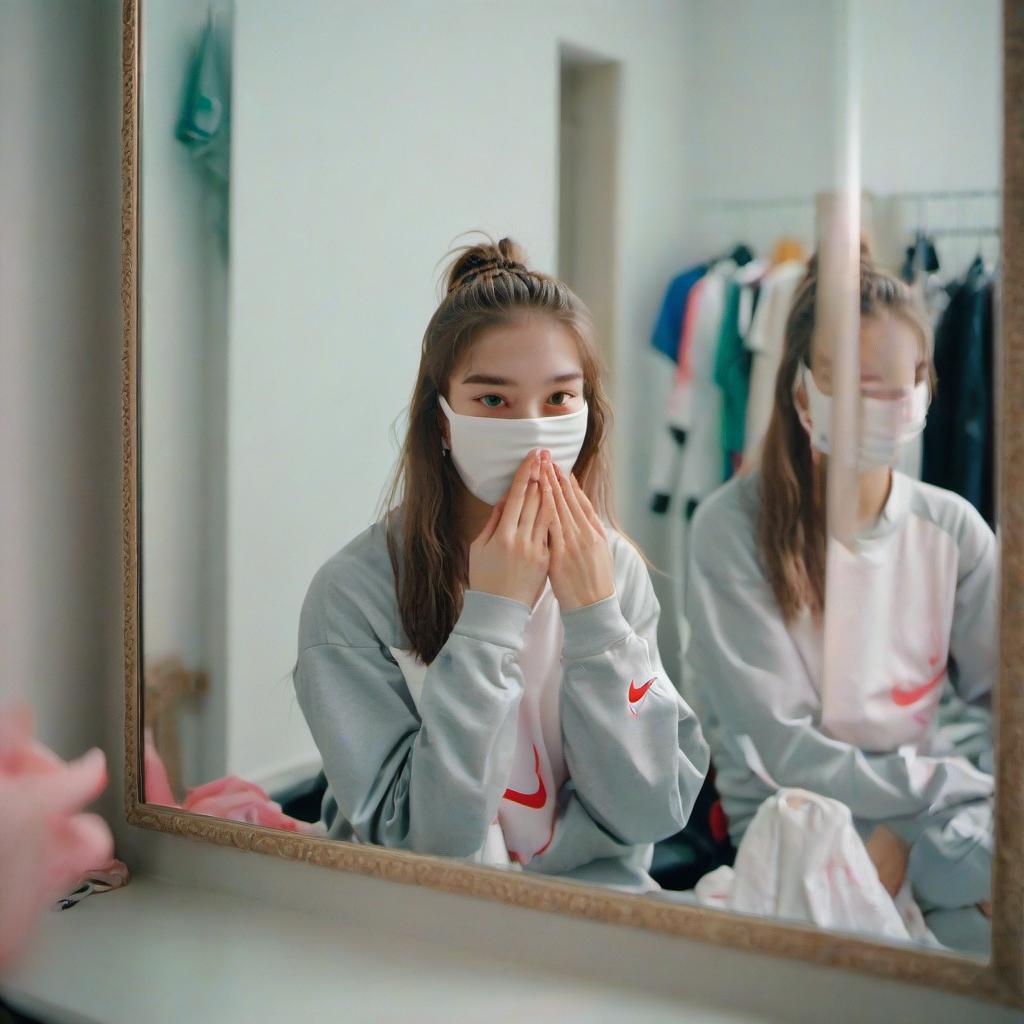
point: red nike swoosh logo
(904, 696)
(636, 692)
(539, 797)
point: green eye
(559, 398)
(492, 401)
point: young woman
(480, 668)
(847, 699)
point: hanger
(788, 248)
(741, 254)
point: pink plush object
(230, 797)
(239, 800)
(46, 843)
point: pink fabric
(157, 784)
(239, 800)
(684, 371)
(46, 843)
(231, 797)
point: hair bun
(474, 261)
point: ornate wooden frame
(1000, 980)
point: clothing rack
(946, 194)
(947, 214)
(746, 204)
(777, 202)
(971, 232)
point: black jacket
(959, 438)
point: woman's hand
(510, 556)
(889, 854)
(581, 568)
(46, 842)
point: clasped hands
(544, 527)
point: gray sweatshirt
(754, 683)
(428, 775)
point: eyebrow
(486, 378)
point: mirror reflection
(529, 477)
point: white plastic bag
(801, 859)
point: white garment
(766, 340)
(524, 826)
(802, 860)
(696, 404)
(749, 277)
(539, 761)
(886, 632)
(695, 408)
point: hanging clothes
(959, 438)
(788, 250)
(732, 362)
(205, 123)
(766, 341)
(666, 335)
(920, 258)
(695, 406)
(668, 341)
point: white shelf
(157, 953)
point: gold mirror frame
(999, 980)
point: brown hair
(485, 285)
(791, 524)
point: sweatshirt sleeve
(429, 782)
(745, 665)
(973, 641)
(633, 747)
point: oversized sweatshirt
(756, 680)
(421, 757)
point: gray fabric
(951, 861)
(966, 929)
(949, 869)
(432, 781)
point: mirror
(762, 240)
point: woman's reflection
(878, 696)
(480, 668)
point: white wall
(763, 111)
(366, 137)
(59, 364)
(761, 104)
(932, 94)
(183, 392)
(60, 446)
(932, 116)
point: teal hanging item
(732, 375)
(205, 125)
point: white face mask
(487, 450)
(886, 424)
